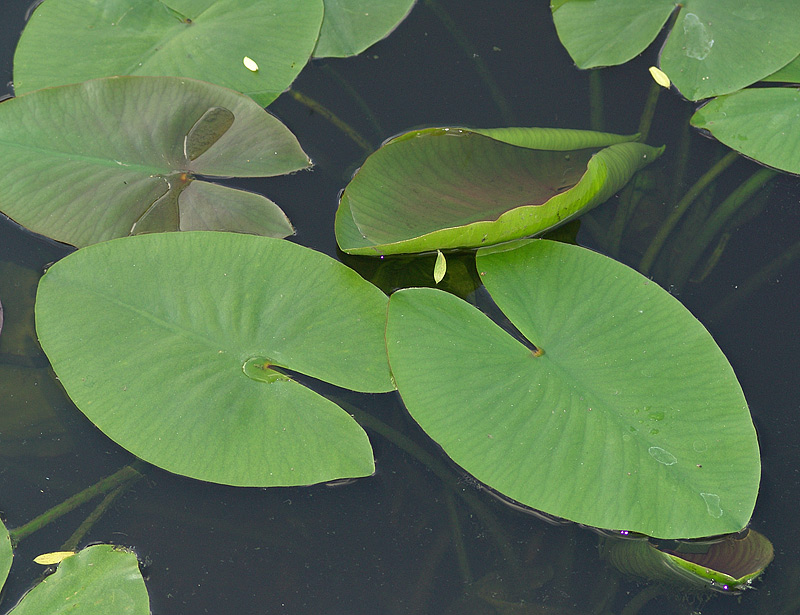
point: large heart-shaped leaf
(173, 344)
(760, 123)
(625, 415)
(464, 188)
(107, 158)
(350, 26)
(715, 46)
(98, 580)
(67, 41)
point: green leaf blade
(627, 418)
(67, 42)
(83, 163)
(155, 355)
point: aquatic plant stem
(716, 221)
(120, 477)
(334, 119)
(72, 542)
(666, 228)
(506, 114)
(643, 597)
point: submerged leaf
(182, 348)
(68, 41)
(464, 188)
(106, 158)
(616, 409)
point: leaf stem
(688, 198)
(334, 119)
(125, 475)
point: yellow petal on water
(660, 77)
(48, 559)
(440, 268)
(250, 64)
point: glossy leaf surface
(625, 415)
(98, 580)
(445, 188)
(760, 123)
(350, 26)
(174, 345)
(715, 46)
(110, 157)
(68, 41)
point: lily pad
(68, 41)
(443, 188)
(107, 158)
(760, 123)
(6, 554)
(177, 346)
(98, 580)
(715, 46)
(616, 410)
(350, 26)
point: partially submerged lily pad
(177, 346)
(760, 123)
(111, 157)
(67, 41)
(442, 188)
(350, 26)
(6, 554)
(615, 395)
(98, 580)
(727, 565)
(715, 46)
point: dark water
(405, 541)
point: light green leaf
(715, 46)
(444, 188)
(6, 554)
(439, 267)
(350, 26)
(175, 345)
(617, 410)
(99, 580)
(67, 41)
(760, 123)
(106, 158)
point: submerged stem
(127, 474)
(334, 119)
(688, 198)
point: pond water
(404, 540)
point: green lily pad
(760, 123)
(111, 157)
(715, 46)
(68, 41)
(6, 554)
(350, 26)
(625, 415)
(443, 188)
(176, 345)
(98, 580)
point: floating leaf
(350, 26)
(176, 345)
(67, 41)
(715, 46)
(727, 565)
(460, 188)
(98, 580)
(616, 396)
(49, 559)
(6, 554)
(88, 162)
(760, 123)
